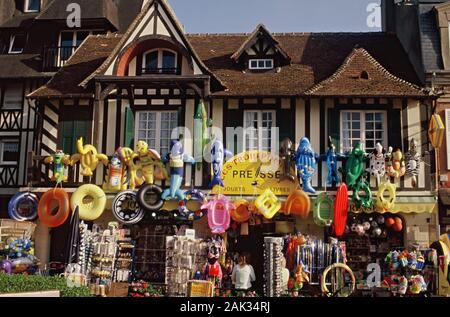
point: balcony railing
(55, 57)
(156, 71)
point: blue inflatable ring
(23, 207)
(192, 215)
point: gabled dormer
(261, 52)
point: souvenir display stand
(185, 256)
(124, 259)
(272, 266)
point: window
(367, 127)
(160, 62)
(9, 152)
(258, 129)
(258, 64)
(13, 97)
(155, 128)
(17, 43)
(32, 5)
(70, 40)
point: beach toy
(306, 162)
(91, 210)
(242, 211)
(341, 210)
(219, 209)
(46, 216)
(115, 178)
(397, 166)
(89, 158)
(298, 203)
(59, 160)
(23, 207)
(385, 204)
(362, 201)
(156, 203)
(268, 204)
(126, 209)
(323, 210)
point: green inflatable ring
(323, 210)
(366, 202)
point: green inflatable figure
(354, 168)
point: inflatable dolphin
(218, 156)
(176, 158)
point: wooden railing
(53, 58)
(40, 175)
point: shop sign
(251, 173)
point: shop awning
(414, 204)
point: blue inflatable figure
(218, 157)
(176, 159)
(306, 162)
(331, 158)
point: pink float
(219, 210)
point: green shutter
(394, 128)
(67, 137)
(129, 128)
(334, 127)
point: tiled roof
(20, 20)
(361, 75)
(22, 66)
(90, 9)
(315, 58)
(83, 62)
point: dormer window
(159, 61)
(17, 43)
(32, 5)
(260, 64)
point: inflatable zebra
(413, 160)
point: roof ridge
(290, 33)
(347, 61)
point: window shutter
(81, 129)
(394, 129)
(285, 124)
(67, 141)
(334, 127)
(129, 128)
(447, 135)
(233, 118)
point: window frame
(26, 9)
(260, 127)
(362, 129)
(257, 60)
(160, 59)
(21, 96)
(74, 41)
(12, 39)
(2, 143)
(158, 129)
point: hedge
(20, 283)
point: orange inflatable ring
(242, 212)
(45, 208)
(298, 203)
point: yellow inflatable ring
(383, 203)
(323, 279)
(92, 210)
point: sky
(238, 16)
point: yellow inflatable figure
(128, 157)
(89, 158)
(150, 163)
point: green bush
(35, 283)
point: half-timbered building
(355, 87)
(35, 41)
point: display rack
(150, 252)
(273, 254)
(124, 261)
(184, 257)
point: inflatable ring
(44, 208)
(242, 211)
(199, 196)
(366, 201)
(126, 209)
(323, 279)
(150, 189)
(89, 211)
(340, 210)
(298, 203)
(323, 210)
(383, 203)
(23, 207)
